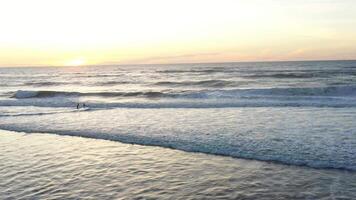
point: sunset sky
(90, 32)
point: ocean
(294, 120)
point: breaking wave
(233, 93)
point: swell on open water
(298, 113)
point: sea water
(290, 113)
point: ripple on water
(50, 166)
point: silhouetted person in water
(83, 106)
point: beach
(47, 166)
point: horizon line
(182, 63)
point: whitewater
(294, 113)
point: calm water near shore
(45, 166)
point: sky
(93, 32)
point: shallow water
(43, 166)
(316, 137)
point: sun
(76, 62)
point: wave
(109, 83)
(186, 71)
(233, 93)
(332, 102)
(336, 96)
(284, 75)
(37, 84)
(23, 94)
(98, 75)
(299, 74)
(205, 83)
(41, 113)
(202, 71)
(307, 91)
(48, 83)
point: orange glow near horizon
(41, 32)
(76, 62)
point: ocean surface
(300, 115)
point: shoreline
(53, 166)
(127, 142)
